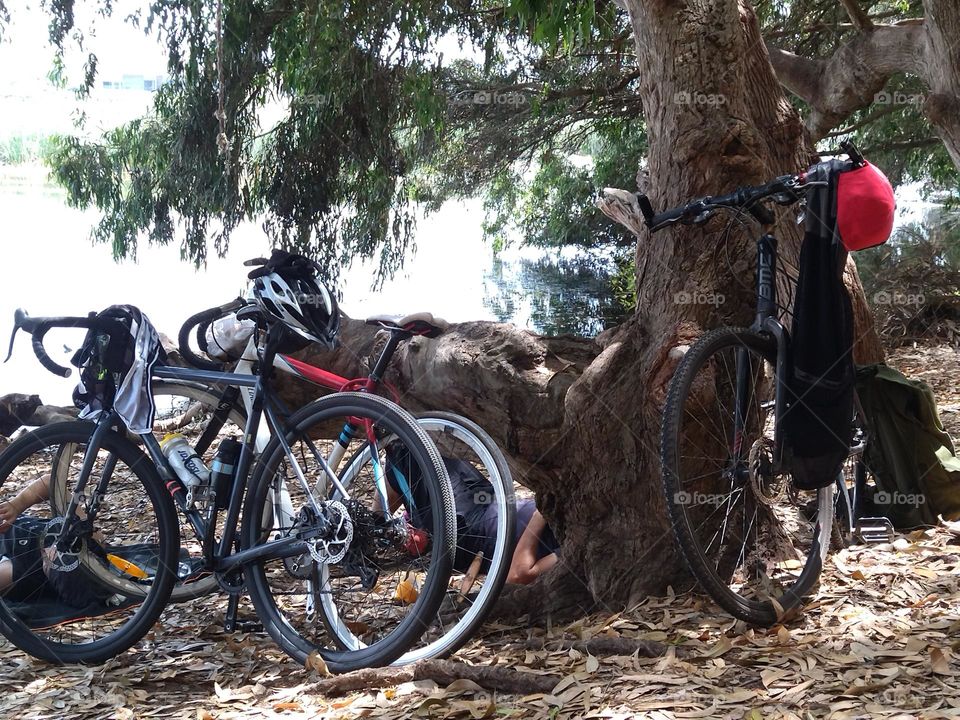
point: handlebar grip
(668, 217)
(42, 356)
(201, 320)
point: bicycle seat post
(380, 367)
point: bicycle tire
(158, 591)
(397, 421)
(764, 612)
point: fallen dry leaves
(881, 639)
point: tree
(579, 417)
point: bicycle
(465, 607)
(342, 524)
(754, 543)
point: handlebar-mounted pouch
(116, 369)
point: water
(51, 268)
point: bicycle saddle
(421, 323)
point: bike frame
(263, 408)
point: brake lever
(253, 262)
(18, 317)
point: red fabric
(865, 208)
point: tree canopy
(536, 113)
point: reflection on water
(557, 292)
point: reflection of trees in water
(554, 295)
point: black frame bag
(818, 424)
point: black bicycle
(755, 543)
(296, 535)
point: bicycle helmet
(287, 289)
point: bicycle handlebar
(744, 198)
(39, 326)
(201, 321)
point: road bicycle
(755, 543)
(111, 503)
(211, 412)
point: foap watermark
(682, 497)
(888, 297)
(897, 97)
(696, 296)
(883, 497)
(311, 100)
(483, 497)
(314, 299)
(699, 98)
(490, 97)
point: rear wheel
(477, 580)
(754, 544)
(100, 595)
(360, 567)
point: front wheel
(754, 544)
(365, 565)
(100, 595)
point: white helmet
(300, 302)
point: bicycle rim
(476, 581)
(381, 589)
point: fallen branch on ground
(443, 672)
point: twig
(443, 672)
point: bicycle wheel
(477, 580)
(384, 581)
(100, 596)
(741, 529)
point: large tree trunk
(580, 418)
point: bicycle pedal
(875, 530)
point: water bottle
(222, 471)
(185, 463)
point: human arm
(525, 567)
(35, 492)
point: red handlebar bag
(865, 208)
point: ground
(881, 638)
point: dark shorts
(21, 545)
(482, 537)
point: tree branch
(849, 79)
(443, 672)
(858, 16)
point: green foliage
(375, 123)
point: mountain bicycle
(214, 411)
(117, 498)
(755, 543)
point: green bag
(911, 456)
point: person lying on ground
(534, 547)
(29, 566)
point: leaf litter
(880, 639)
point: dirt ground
(880, 639)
